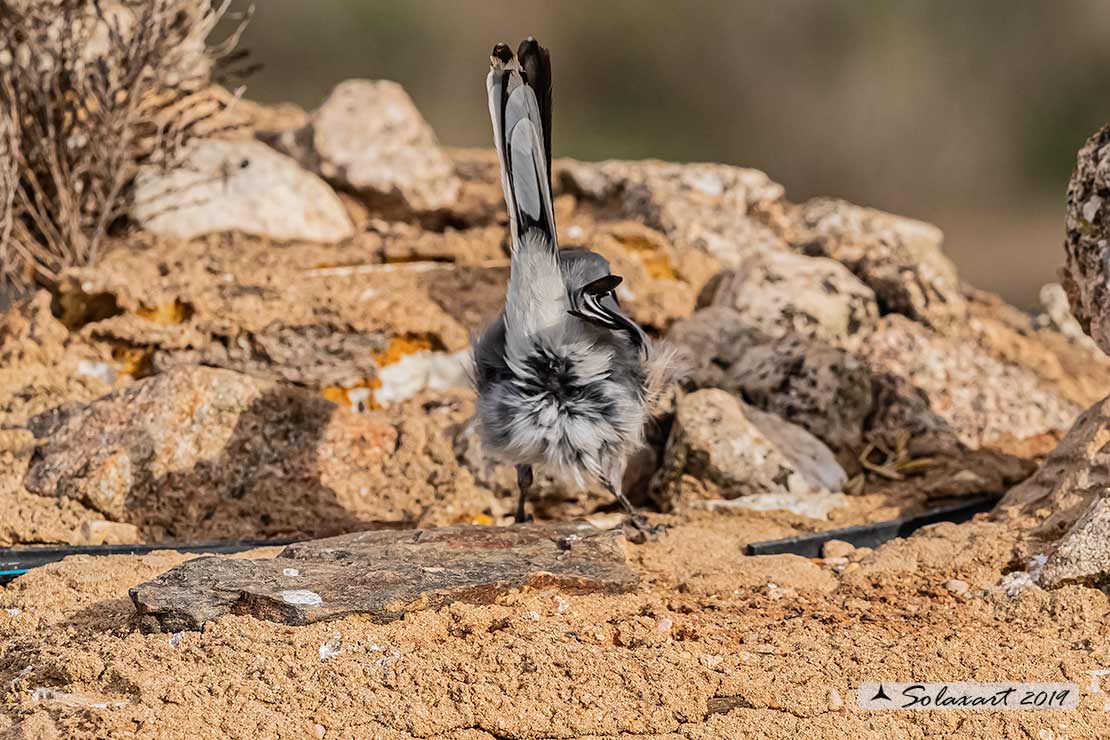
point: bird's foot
(521, 518)
(638, 530)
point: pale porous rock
(1064, 509)
(1086, 273)
(369, 137)
(824, 389)
(788, 294)
(985, 401)
(102, 532)
(42, 365)
(200, 450)
(422, 371)
(1070, 482)
(243, 186)
(325, 317)
(710, 207)
(1075, 370)
(661, 282)
(817, 505)
(408, 242)
(897, 257)
(715, 337)
(29, 518)
(1083, 554)
(722, 448)
(1056, 314)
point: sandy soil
(713, 644)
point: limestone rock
(723, 448)
(385, 574)
(1070, 481)
(1083, 554)
(369, 137)
(985, 401)
(814, 505)
(824, 389)
(101, 532)
(661, 282)
(709, 207)
(899, 258)
(239, 185)
(302, 314)
(42, 365)
(1057, 315)
(1075, 369)
(837, 549)
(201, 452)
(1087, 221)
(788, 294)
(715, 337)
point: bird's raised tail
(520, 110)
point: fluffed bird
(565, 378)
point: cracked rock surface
(386, 574)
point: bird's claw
(638, 530)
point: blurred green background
(967, 114)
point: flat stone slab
(386, 573)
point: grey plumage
(565, 379)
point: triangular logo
(880, 694)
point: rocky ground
(710, 644)
(276, 349)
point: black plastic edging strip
(872, 535)
(15, 561)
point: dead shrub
(90, 91)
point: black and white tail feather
(564, 377)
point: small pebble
(861, 553)
(1016, 582)
(319, 730)
(710, 661)
(561, 604)
(175, 638)
(957, 586)
(851, 568)
(663, 626)
(836, 561)
(13, 611)
(290, 572)
(776, 592)
(531, 616)
(837, 549)
(331, 648)
(835, 702)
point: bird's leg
(523, 482)
(637, 528)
